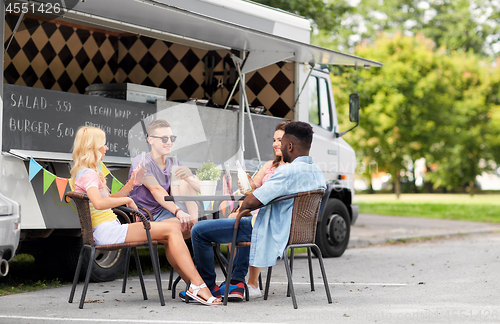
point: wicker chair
(126, 215)
(302, 234)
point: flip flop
(210, 302)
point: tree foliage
(460, 25)
(326, 15)
(437, 95)
(423, 102)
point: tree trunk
(370, 187)
(397, 185)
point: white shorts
(110, 233)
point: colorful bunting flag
(48, 178)
(62, 183)
(34, 168)
(103, 168)
(115, 185)
(61, 186)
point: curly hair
(86, 153)
(302, 131)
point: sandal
(212, 301)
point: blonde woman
(88, 150)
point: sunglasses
(164, 139)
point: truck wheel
(332, 233)
(59, 258)
(108, 265)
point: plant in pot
(208, 174)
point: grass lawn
(478, 208)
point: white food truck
(231, 70)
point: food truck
(229, 70)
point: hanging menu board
(45, 120)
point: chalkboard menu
(45, 120)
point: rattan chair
(305, 212)
(126, 215)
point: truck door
(324, 149)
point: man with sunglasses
(157, 181)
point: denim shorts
(166, 214)
(112, 232)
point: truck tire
(59, 258)
(334, 229)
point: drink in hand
(243, 178)
(175, 181)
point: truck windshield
(319, 103)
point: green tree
(458, 160)
(423, 102)
(460, 25)
(325, 15)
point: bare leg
(192, 208)
(169, 234)
(170, 257)
(253, 276)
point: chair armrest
(281, 198)
(135, 213)
(123, 216)
(76, 195)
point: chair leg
(268, 281)
(323, 273)
(260, 281)
(125, 271)
(171, 278)
(186, 299)
(139, 270)
(292, 254)
(156, 268)
(77, 275)
(289, 275)
(174, 286)
(229, 272)
(87, 277)
(311, 275)
(219, 257)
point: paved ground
(375, 229)
(452, 280)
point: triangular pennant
(71, 185)
(34, 168)
(61, 186)
(103, 168)
(115, 185)
(48, 178)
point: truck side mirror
(354, 108)
(353, 112)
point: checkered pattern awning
(68, 58)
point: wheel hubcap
(107, 259)
(336, 229)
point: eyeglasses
(164, 139)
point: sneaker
(236, 291)
(215, 292)
(254, 292)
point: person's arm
(250, 202)
(257, 179)
(159, 194)
(129, 185)
(101, 203)
(184, 173)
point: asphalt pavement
(452, 278)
